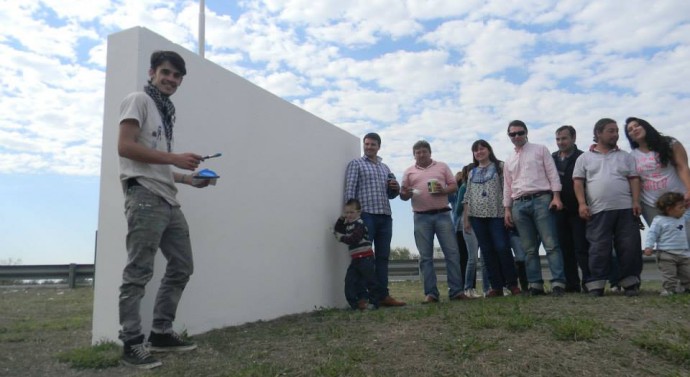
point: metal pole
(202, 28)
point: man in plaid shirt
(370, 181)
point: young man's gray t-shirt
(606, 179)
(158, 178)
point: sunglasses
(518, 133)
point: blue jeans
(495, 245)
(486, 284)
(472, 246)
(534, 221)
(152, 224)
(515, 244)
(440, 224)
(380, 230)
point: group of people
(577, 204)
(584, 207)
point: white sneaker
(665, 293)
(472, 293)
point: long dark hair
(656, 141)
(466, 172)
(492, 156)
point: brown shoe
(390, 301)
(514, 290)
(429, 299)
(494, 293)
(362, 304)
(460, 296)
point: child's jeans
(675, 269)
(362, 273)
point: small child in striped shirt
(361, 285)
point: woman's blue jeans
(494, 243)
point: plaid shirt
(367, 181)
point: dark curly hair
(667, 200)
(656, 141)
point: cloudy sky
(448, 71)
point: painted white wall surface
(260, 237)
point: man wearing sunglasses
(531, 194)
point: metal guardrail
(70, 272)
(400, 269)
(409, 268)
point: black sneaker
(557, 292)
(536, 292)
(169, 342)
(136, 354)
(573, 289)
(596, 292)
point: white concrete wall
(261, 243)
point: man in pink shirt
(428, 184)
(531, 192)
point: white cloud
(661, 73)
(23, 163)
(609, 27)
(498, 47)
(98, 55)
(486, 47)
(22, 23)
(306, 11)
(330, 19)
(49, 107)
(442, 9)
(80, 10)
(285, 84)
(520, 11)
(353, 103)
(346, 33)
(454, 34)
(571, 64)
(222, 32)
(159, 16)
(448, 71)
(409, 73)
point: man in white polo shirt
(607, 187)
(428, 184)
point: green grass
(29, 325)
(670, 341)
(45, 332)
(505, 313)
(577, 329)
(519, 320)
(102, 355)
